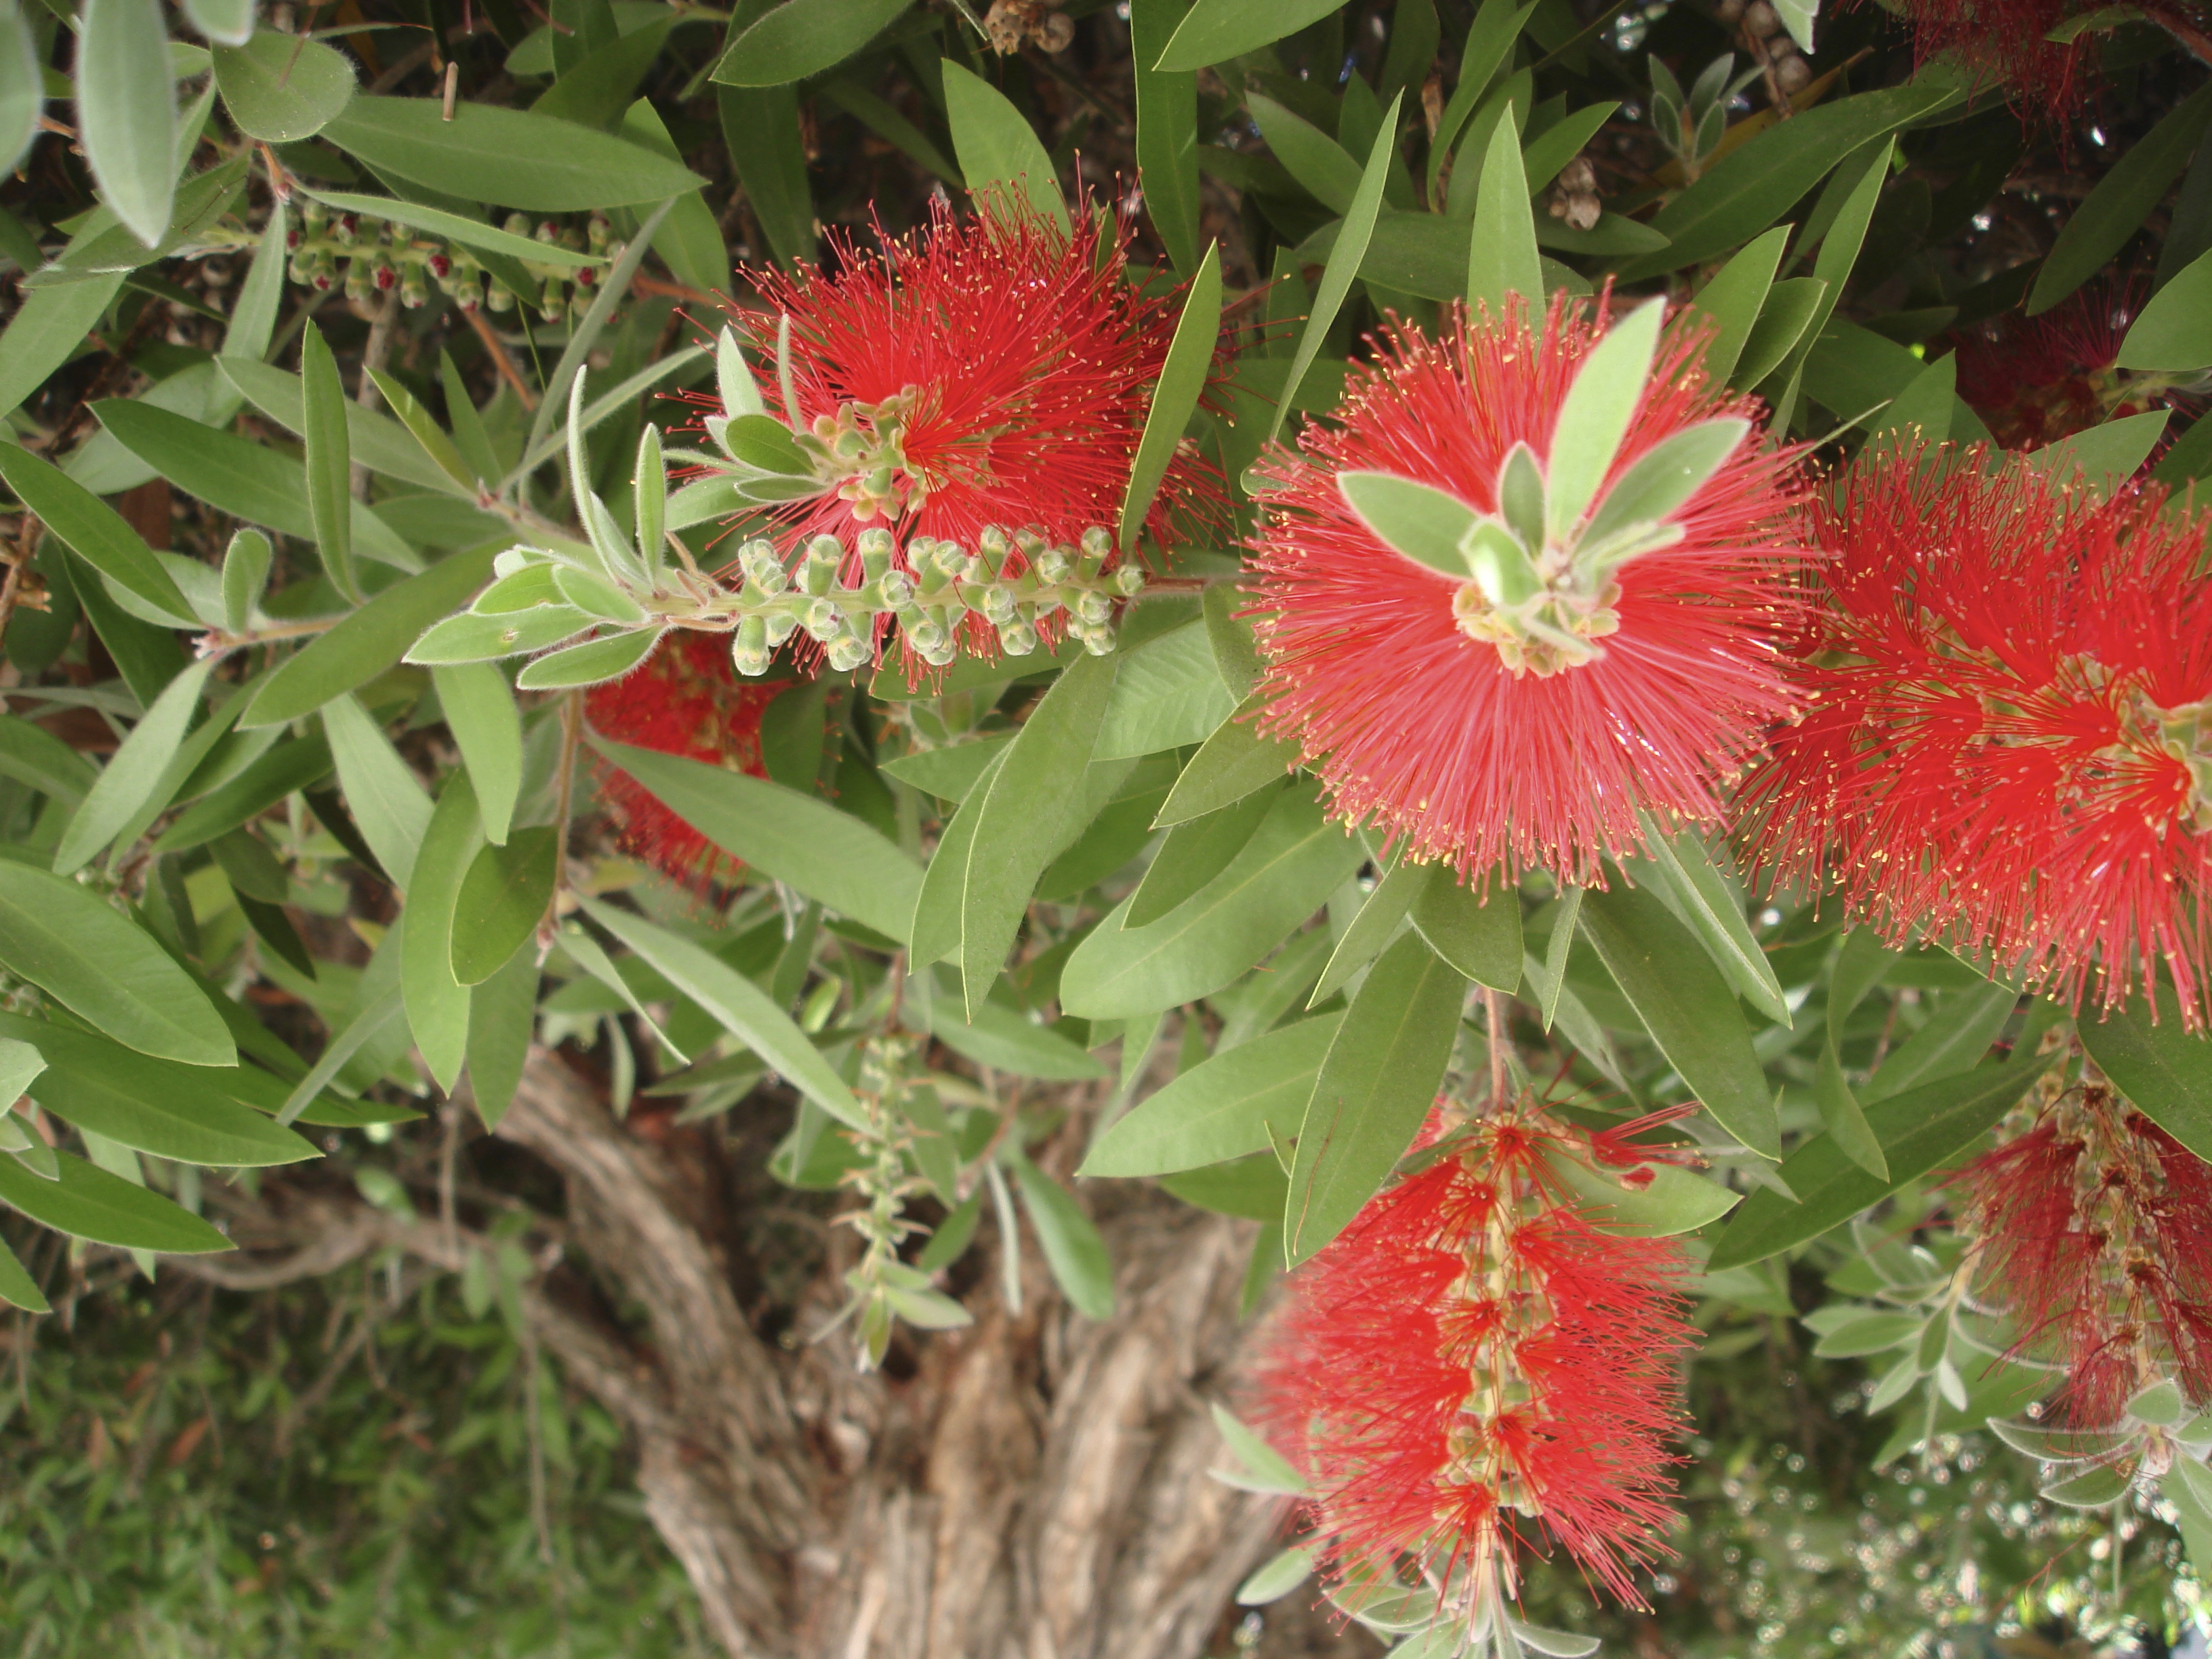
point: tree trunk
(1034, 1486)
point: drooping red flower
(2007, 738)
(1475, 1366)
(2006, 42)
(2094, 1229)
(2036, 380)
(685, 699)
(1418, 721)
(979, 373)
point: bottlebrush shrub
(988, 371)
(1476, 1365)
(2035, 380)
(1572, 647)
(2007, 734)
(2006, 42)
(686, 700)
(2094, 1228)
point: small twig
(1493, 1008)
(220, 642)
(11, 590)
(504, 363)
(644, 285)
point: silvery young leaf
(1426, 523)
(1665, 477)
(1594, 419)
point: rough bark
(1035, 1488)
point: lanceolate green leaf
(825, 854)
(22, 97)
(436, 1003)
(2164, 1068)
(504, 157)
(480, 713)
(130, 775)
(999, 151)
(1688, 1009)
(1216, 31)
(2116, 208)
(1918, 1130)
(742, 1007)
(1193, 855)
(1167, 132)
(169, 1111)
(329, 460)
(2174, 329)
(1732, 299)
(126, 110)
(1221, 1109)
(1478, 934)
(1682, 868)
(381, 790)
(95, 531)
(499, 901)
(1182, 378)
(1073, 1247)
(1374, 1088)
(1232, 763)
(1283, 875)
(87, 1202)
(802, 37)
(69, 942)
(1502, 257)
(47, 332)
(1344, 258)
(1167, 693)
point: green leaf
(1254, 1188)
(1924, 407)
(1008, 1040)
(1501, 254)
(1193, 855)
(501, 901)
(1216, 31)
(45, 333)
(1755, 184)
(1374, 1089)
(1175, 395)
(2115, 210)
(1792, 306)
(999, 151)
(1317, 161)
(1670, 1200)
(131, 776)
(502, 1015)
(504, 157)
(1874, 1332)
(292, 765)
(1073, 1247)
(2158, 1064)
(126, 111)
(1350, 247)
(1687, 1007)
(1606, 392)
(2093, 1489)
(1030, 808)
(1292, 862)
(1666, 476)
(1958, 1034)
(480, 713)
(1167, 693)
(87, 1202)
(1845, 1118)
(32, 756)
(1218, 1110)
(1734, 298)
(1234, 762)
(17, 1288)
(1277, 1578)
(1167, 132)
(741, 1007)
(828, 855)
(1422, 523)
(381, 790)
(1918, 1130)
(378, 442)
(761, 130)
(183, 1114)
(94, 530)
(436, 1003)
(280, 88)
(246, 564)
(2174, 331)
(802, 37)
(368, 641)
(22, 98)
(2104, 456)
(225, 23)
(952, 772)
(1680, 869)
(1373, 926)
(1479, 935)
(471, 638)
(67, 941)
(588, 664)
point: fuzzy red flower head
(1509, 600)
(2035, 380)
(2094, 1227)
(1476, 1365)
(2007, 41)
(2009, 741)
(686, 700)
(988, 373)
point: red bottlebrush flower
(2036, 380)
(686, 700)
(2009, 737)
(2095, 1227)
(2005, 41)
(1474, 1366)
(979, 373)
(1414, 716)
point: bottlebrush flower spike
(2095, 1227)
(2035, 380)
(1507, 602)
(1474, 1366)
(2006, 41)
(2008, 738)
(686, 700)
(988, 371)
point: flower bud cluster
(367, 257)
